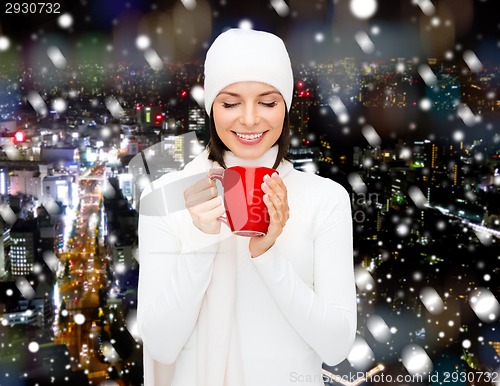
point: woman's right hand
(204, 205)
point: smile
(249, 136)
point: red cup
(246, 211)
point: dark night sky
(101, 13)
(399, 20)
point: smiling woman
(248, 118)
(216, 308)
(245, 58)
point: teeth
(249, 136)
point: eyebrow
(260, 95)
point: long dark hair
(216, 147)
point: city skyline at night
(401, 108)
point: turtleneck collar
(267, 159)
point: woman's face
(249, 118)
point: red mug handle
(219, 177)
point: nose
(249, 116)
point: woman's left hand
(276, 200)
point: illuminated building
(25, 182)
(36, 310)
(196, 119)
(4, 182)
(2, 250)
(133, 146)
(348, 65)
(434, 155)
(150, 116)
(24, 237)
(59, 188)
(399, 186)
(299, 112)
(305, 159)
(496, 346)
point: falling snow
(25, 288)
(198, 95)
(417, 197)
(364, 42)
(245, 24)
(339, 109)
(472, 61)
(57, 57)
(142, 42)
(467, 116)
(153, 59)
(281, 7)
(426, 6)
(65, 20)
(33, 347)
(485, 305)
(361, 355)
(431, 300)
(371, 135)
(419, 304)
(427, 74)
(416, 360)
(425, 104)
(189, 4)
(458, 135)
(357, 183)
(4, 43)
(363, 9)
(378, 328)
(79, 319)
(319, 37)
(37, 103)
(59, 105)
(364, 281)
(114, 107)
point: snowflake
(245, 24)
(426, 6)
(189, 4)
(363, 9)
(416, 360)
(153, 59)
(371, 135)
(57, 57)
(361, 355)
(142, 42)
(4, 43)
(59, 105)
(364, 42)
(37, 103)
(281, 7)
(79, 319)
(33, 347)
(472, 61)
(431, 300)
(425, 104)
(427, 75)
(484, 304)
(339, 109)
(65, 20)
(198, 95)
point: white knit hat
(245, 55)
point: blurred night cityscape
(413, 138)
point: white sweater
(295, 305)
